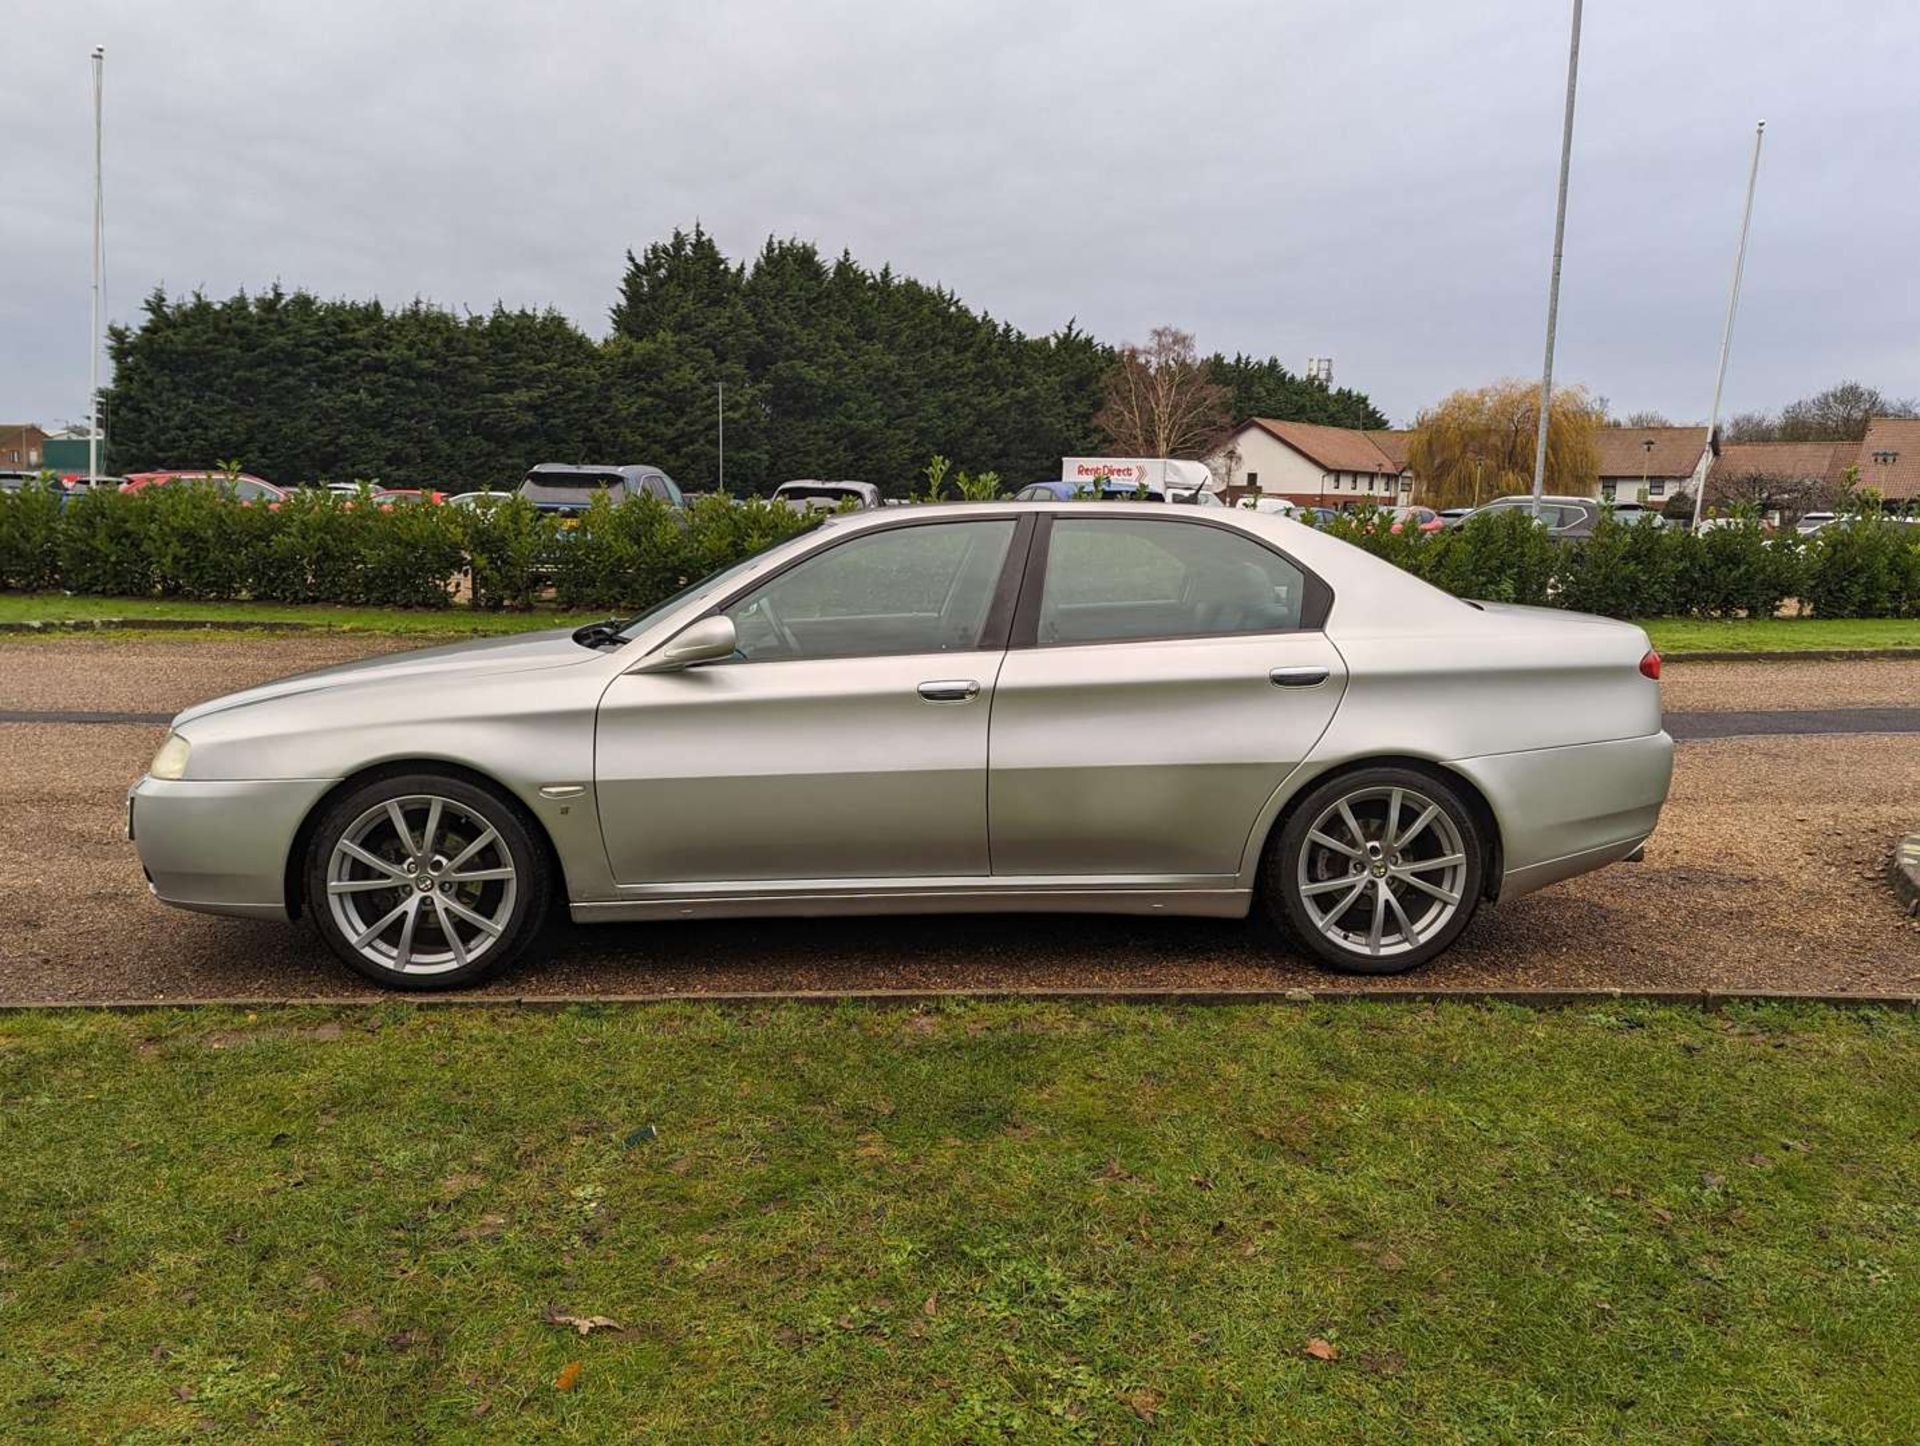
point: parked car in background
(391, 495)
(1454, 516)
(240, 486)
(63, 492)
(1272, 506)
(569, 488)
(816, 496)
(1078, 707)
(1317, 516)
(1632, 513)
(1812, 522)
(1110, 489)
(1562, 517)
(1416, 519)
(472, 500)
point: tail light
(1650, 665)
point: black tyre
(425, 881)
(1376, 871)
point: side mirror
(706, 641)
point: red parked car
(390, 495)
(241, 486)
(1421, 519)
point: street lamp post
(1726, 337)
(99, 265)
(1646, 463)
(1553, 284)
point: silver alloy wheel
(421, 884)
(1382, 870)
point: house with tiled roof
(1889, 458)
(1647, 464)
(1314, 466)
(1812, 472)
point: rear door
(1167, 673)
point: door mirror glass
(707, 641)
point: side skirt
(1206, 896)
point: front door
(847, 738)
(1167, 690)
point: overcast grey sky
(1370, 181)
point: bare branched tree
(1839, 414)
(1161, 400)
(1773, 492)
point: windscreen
(575, 489)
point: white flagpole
(99, 248)
(1553, 284)
(721, 416)
(1726, 337)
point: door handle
(950, 690)
(1297, 677)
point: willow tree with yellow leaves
(1478, 444)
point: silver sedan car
(1092, 707)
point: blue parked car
(1112, 489)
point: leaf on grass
(584, 1324)
(1711, 1180)
(1143, 1403)
(1662, 1214)
(931, 1306)
(1323, 1350)
(568, 1378)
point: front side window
(924, 589)
(1111, 579)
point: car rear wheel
(1376, 871)
(425, 881)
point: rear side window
(1114, 579)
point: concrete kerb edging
(1904, 869)
(1706, 999)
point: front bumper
(1566, 811)
(220, 846)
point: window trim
(992, 637)
(1316, 599)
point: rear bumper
(1565, 811)
(220, 846)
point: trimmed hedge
(190, 542)
(1862, 566)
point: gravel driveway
(1764, 873)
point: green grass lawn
(987, 1220)
(57, 607)
(1676, 637)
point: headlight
(171, 760)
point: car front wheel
(425, 881)
(1376, 871)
